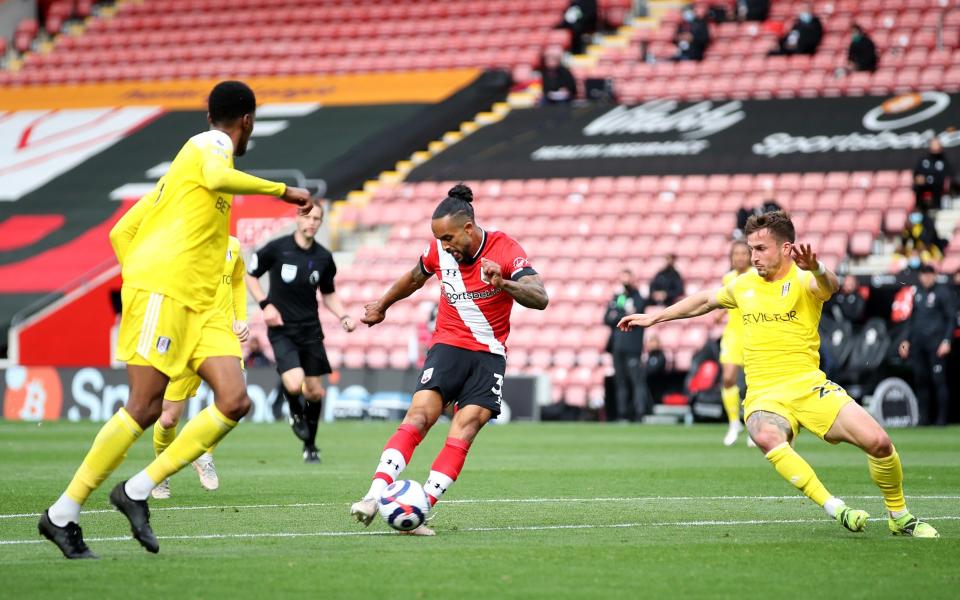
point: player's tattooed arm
(528, 291)
(407, 284)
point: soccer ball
(404, 505)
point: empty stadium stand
(182, 39)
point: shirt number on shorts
(828, 388)
(498, 388)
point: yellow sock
(107, 452)
(162, 437)
(731, 402)
(887, 473)
(212, 448)
(798, 472)
(202, 432)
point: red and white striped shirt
(473, 314)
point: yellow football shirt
(780, 339)
(232, 291)
(173, 240)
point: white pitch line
(488, 501)
(227, 536)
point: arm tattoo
(418, 277)
(528, 291)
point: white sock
(833, 506)
(896, 514)
(139, 486)
(64, 510)
(391, 464)
(437, 484)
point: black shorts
(299, 346)
(464, 376)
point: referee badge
(427, 374)
(288, 273)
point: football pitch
(541, 510)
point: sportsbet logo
(32, 394)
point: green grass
(661, 511)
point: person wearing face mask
(692, 36)
(804, 36)
(630, 378)
(919, 233)
(862, 53)
(930, 176)
(928, 342)
(847, 304)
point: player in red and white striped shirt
(481, 275)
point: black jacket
(808, 36)
(625, 303)
(701, 39)
(863, 54)
(935, 171)
(556, 79)
(754, 10)
(846, 307)
(933, 316)
(669, 281)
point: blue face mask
(806, 17)
(914, 262)
(916, 218)
(688, 16)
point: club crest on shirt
(229, 254)
(427, 374)
(314, 278)
(163, 344)
(288, 273)
(785, 289)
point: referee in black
(298, 267)
(928, 342)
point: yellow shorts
(182, 389)
(815, 409)
(731, 347)
(159, 331)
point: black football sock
(312, 414)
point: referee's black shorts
(299, 345)
(464, 376)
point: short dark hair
(231, 100)
(927, 268)
(459, 201)
(777, 222)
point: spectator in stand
(803, 37)
(667, 285)
(656, 369)
(753, 10)
(745, 212)
(632, 395)
(255, 356)
(929, 338)
(919, 233)
(848, 304)
(559, 85)
(930, 176)
(862, 54)
(692, 36)
(580, 17)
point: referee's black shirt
(295, 276)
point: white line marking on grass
(229, 536)
(155, 508)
